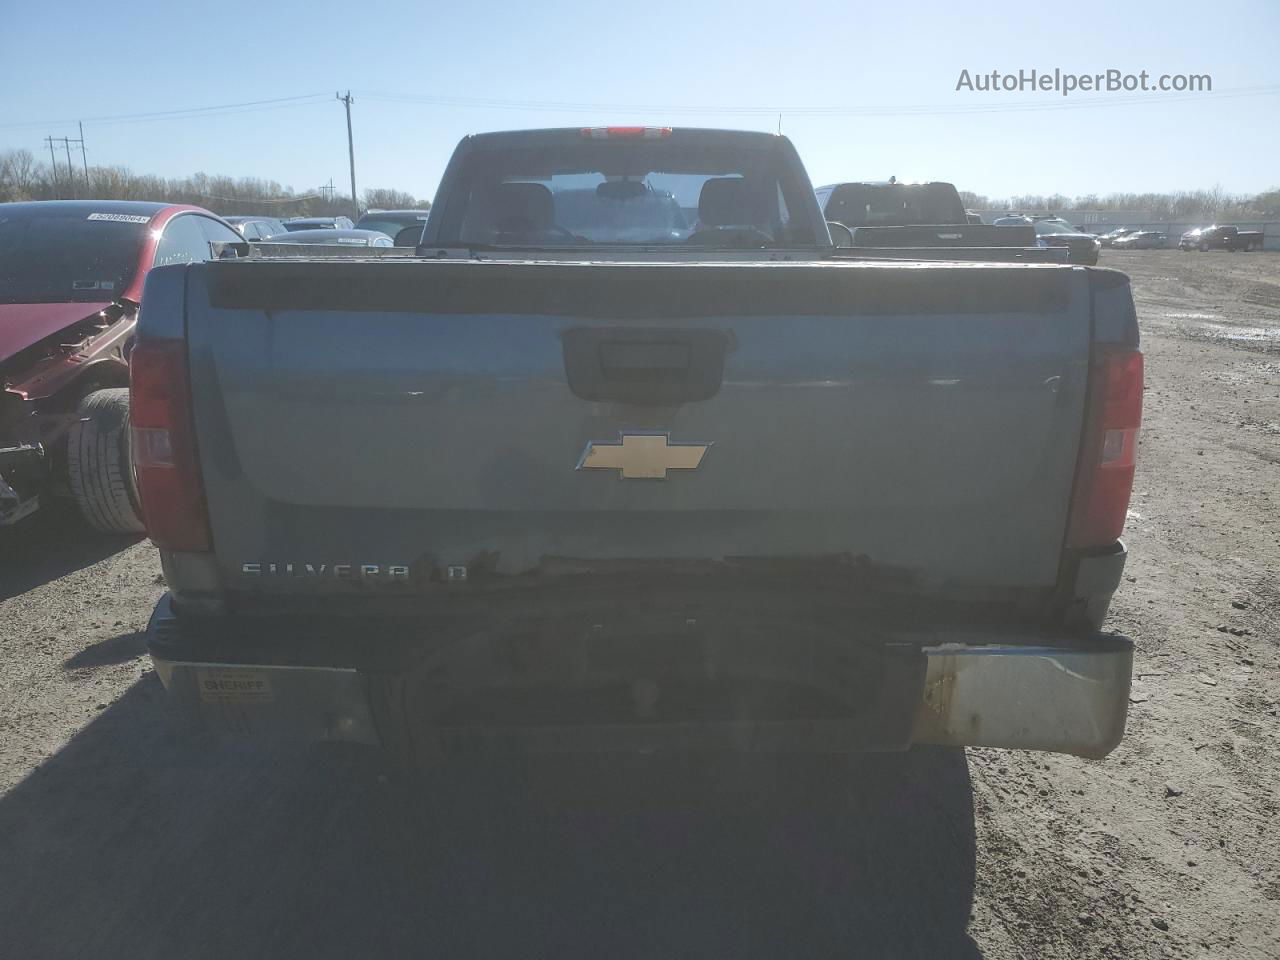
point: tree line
(23, 177)
(1183, 205)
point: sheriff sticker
(119, 217)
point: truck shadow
(133, 842)
(50, 545)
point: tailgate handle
(649, 366)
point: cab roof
(886, 183)
(554, 136)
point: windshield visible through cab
(1053, 226)
(895, 205)
(624, 193)
(389, 226)
(67, 259)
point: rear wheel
(100, 463)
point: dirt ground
(120, 839)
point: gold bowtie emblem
(643, 456)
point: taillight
(625, 133)
(1105, 478)
(164, 448)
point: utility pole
(351, 150)
(52, 162)
(84, 158)
(71, 179)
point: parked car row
(1214, 237)
(377, 228)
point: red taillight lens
(1105, 480)
(625, 133)
(164, 450)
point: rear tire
(100, 463)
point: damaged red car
(71, 279)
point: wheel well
(103, 374)
(99, 375)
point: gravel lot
(120, 840)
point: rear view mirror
(841, 235)
(621, 189)
(229, 249)
(409, 236)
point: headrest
(530, 202)
(725, 202)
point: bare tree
(21, 177)
(383, 198)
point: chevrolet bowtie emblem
(643, 456)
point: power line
(1060, 103)
(178, 114)
(214, 115)
(557, 106)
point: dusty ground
(118, 839)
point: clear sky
(878, 82)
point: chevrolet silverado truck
(917, 217)
(678, 476)
(1232, 239)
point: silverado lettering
(340, 571)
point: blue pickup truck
(629, 456)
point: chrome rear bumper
(1057, 699)
(270, 702)
(1025, 692)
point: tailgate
(487, 419)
